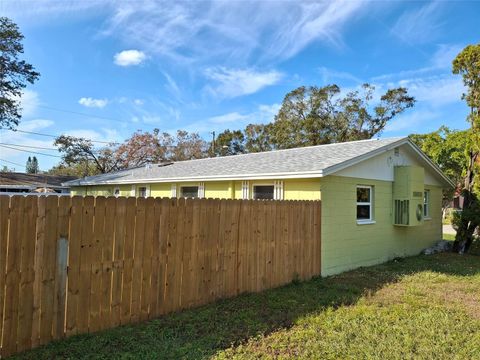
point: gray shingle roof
(314, 161)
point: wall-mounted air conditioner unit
(408, 188)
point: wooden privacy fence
(71, 265)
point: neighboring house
(14, 183)
(380, 198)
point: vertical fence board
(128, 260)
(4, 221)
(147, 258)
(107, 262)
(118, 251)
(138, 260)
(27, 274)
(59, 311)
(12, 281)
(94, 314)
(86, 257)
(76, 223)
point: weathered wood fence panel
(82, 264)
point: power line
(29, 146)
(83, 114)
(31, 152)
(11, 162)
(56, 136)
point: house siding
(347, 245)
(294, 189)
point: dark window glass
(189, 191)
(363, 194)
(142, 191)
(426, 202)
(263, 192)
(363, 212)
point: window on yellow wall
(263, 192)
(426, 204)
(116, 192)
(364, 203)
(142, 191)
(189, 191)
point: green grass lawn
(424, 307)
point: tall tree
(321, 115)
(28, 166)
(467, 64)
(188, 146)
(258, 137)
(144, 148)
(447, 148)
(14, 73)
(35, 166)
(82, 151)
(230, 143)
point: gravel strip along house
(381, 198)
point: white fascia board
(291, 175)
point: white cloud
(444, 55)
(29, 102)
(419, 25)
(329, 75)
(129, 58)
(228, 118)
(412, 121)
(435, 90)
(103, 134)
(90, 102)
(237, 82)
(197, 31)
(138, 102)
(234, 120)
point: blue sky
(109, 68)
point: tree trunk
(466, 228)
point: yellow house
(380, 198)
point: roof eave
(290, 175)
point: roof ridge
(290, 149)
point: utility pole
(213, 143)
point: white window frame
(115, 189)
(173, 189)
(370, 220)
(426, 204)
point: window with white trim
(189, 191)
(426, 204)
(263, 192)
(364, 203)
(142, 191)
(116, 191)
